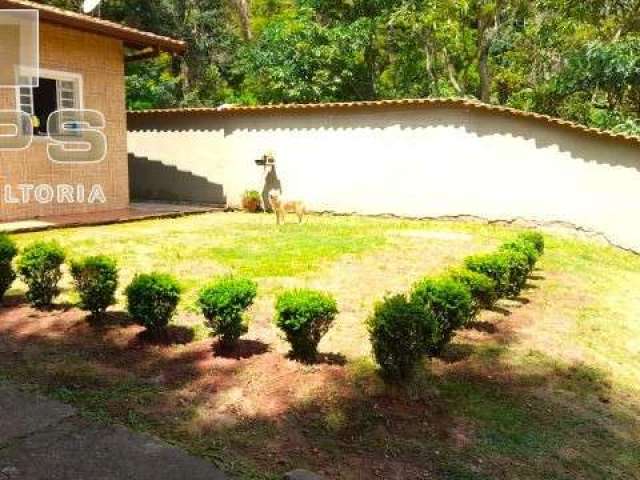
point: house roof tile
(131, 37)
(385, 104)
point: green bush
(535, 238)
(96, 279)
(448, 303)
(518, 271)
(481, 287)
(398, 332)
(495, 266)
(152, 299)
(305, 316)
(40, 269)
(525, 247)
(223, 304)
(8, 250)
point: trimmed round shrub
(305, 316)
(481, 287)
(96, 280)
(518, 271)
(8, 250)
(223, 304)
(495, 266)
(152, 299)
(448, 303)
(525, 247)
(397, 330)
(39, 268)
(535, 238)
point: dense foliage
(495, 266)
(525, 247)
(398, 332)
(518, 270)
(575, 59)
(40, 269)
(305, 316)
(481, 287)
(152, 299)
(402, 331)
(96, 280)
(447, 303)
(535, 238)
(223, 304)
(8, 250)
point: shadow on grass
(242, 350)
(501, 310)
(460, 423)
(331, 359)
(466, 416)
(109, 319)
(14, 300)
(482, 326)
(172, 335)
(322, 358)
(457, 352)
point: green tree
(569, 58)
(296, 59)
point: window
(55, 91)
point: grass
(547, 386)
(200, 247)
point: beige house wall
(418, 162)
(100, 61)
(9, 53)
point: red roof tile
(416, 102)
(130, 36)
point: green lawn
(547, 386)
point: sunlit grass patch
(545, 386)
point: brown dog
(282, 206)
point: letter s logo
(76, 136)
(16, 130)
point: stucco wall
(9, 53)
(420, 162)
(100, 62)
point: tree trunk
(485, 77)
(452, 73)
(243, 8)
(429, 68)
(370, 61)
(184, 75)
(484, 44)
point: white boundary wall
(418, 162)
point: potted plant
(251, 201)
